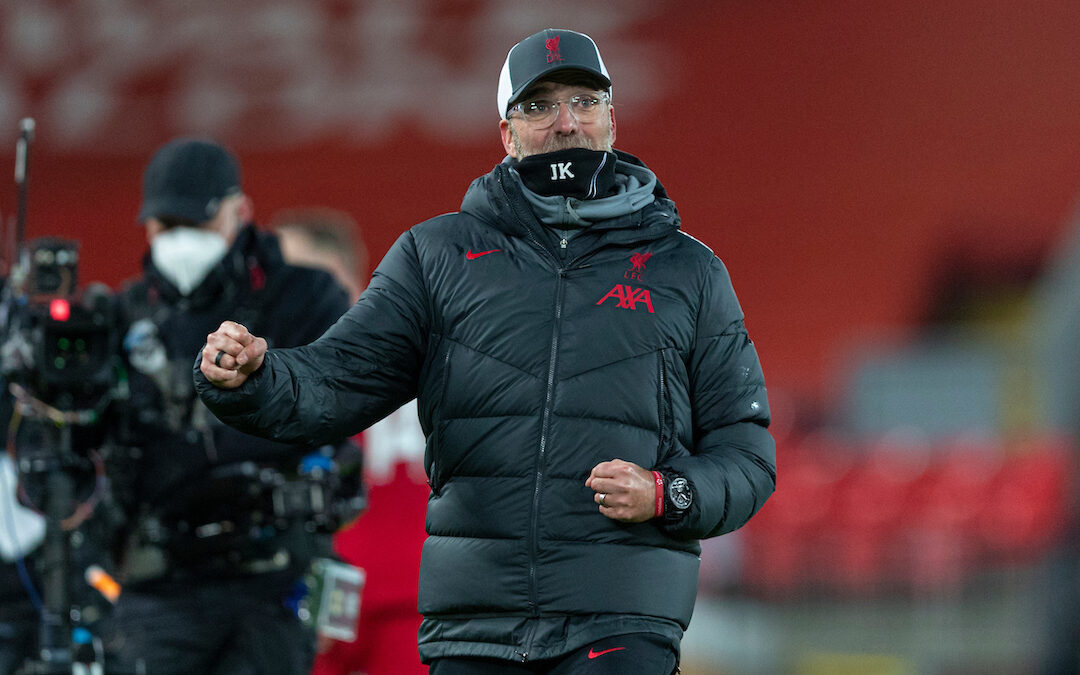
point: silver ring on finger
(217, 359)
(603, 496)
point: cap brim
(601, 79)
(173, 207)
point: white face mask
(185, 255)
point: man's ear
(153, 228)
(245, 210)
(237, 211)
(507, 138)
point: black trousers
(633, 654)
(215, 628)
(18, 642)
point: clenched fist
(231, 354)
(623, 490)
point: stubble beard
(557, 142)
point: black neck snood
(576, 172)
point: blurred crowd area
(892, 188)
(926, 522)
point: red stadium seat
(1030, 501)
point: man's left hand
(624, 491)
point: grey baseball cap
(188, 178)
(546, 52)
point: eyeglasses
(541, 113)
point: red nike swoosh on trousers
(593, 655)
(469, 255)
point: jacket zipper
(665, 437)
(545, 424)
(549, 394)
(663, 405)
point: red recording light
(59, 310)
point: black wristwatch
(678, 496)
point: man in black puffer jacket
(592, 403)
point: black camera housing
(60, 342)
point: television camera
(72, 416)
(60, 369)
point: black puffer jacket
(532, 365)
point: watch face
(679, 493)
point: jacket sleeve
(361, 369)
(732, 466)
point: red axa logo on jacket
(628, 297)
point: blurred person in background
(386, 541)
(325, 239)
(222, 525)
(592, 402)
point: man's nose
(565, 122)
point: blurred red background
(830, 153)
(855, 164)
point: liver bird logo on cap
(552, 45)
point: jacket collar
(498, 199)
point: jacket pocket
(438, 378)
(665, 413)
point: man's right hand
(231, 354)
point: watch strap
(658, 479)
(673, 515)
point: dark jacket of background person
(209, 572)
(221, 526)
(529, 371)
(191, 465)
